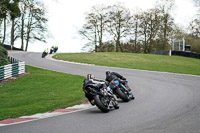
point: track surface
(165, 103)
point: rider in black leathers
(113, 76)
(90, 79)
(110, 76)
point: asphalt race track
(165, 103)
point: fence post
(1, 73)
(170, 52)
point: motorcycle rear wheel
(100, 105)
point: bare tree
(14, 13)
(197, 3)
(4, 12)
(195, 28)
(3, 20)
(137, 23)
(35, 26)
(135, 34)
(195, 23)
(94, 28)
(89, 31)
(119, 24)
(166, 6)
(130, 33)
(23, 7)
(149, 28)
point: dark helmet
(90, 76)
(108, 72)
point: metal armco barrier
(12, 70)
(179, 53)
(186, 54)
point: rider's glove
(123, 78)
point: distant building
(179, 45)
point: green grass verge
(38, 92)
(174, 64)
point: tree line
(26, 19)
(116, 28)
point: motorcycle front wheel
(101, 104)
(122, 95)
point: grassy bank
(174, 64)
(39, 91)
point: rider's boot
(131, 94)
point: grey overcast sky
(67, 17)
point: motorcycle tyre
(100, 105)
(122, 95)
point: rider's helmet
(90, 76)
(108, 72)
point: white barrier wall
(11, 70)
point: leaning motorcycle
(55, 50)
(121, 90)
(103, 98)
(51, 51)
(44, 54)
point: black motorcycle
(55, 50)
(102, 97)
(121, 90)
(51, 51)
(44, 54)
